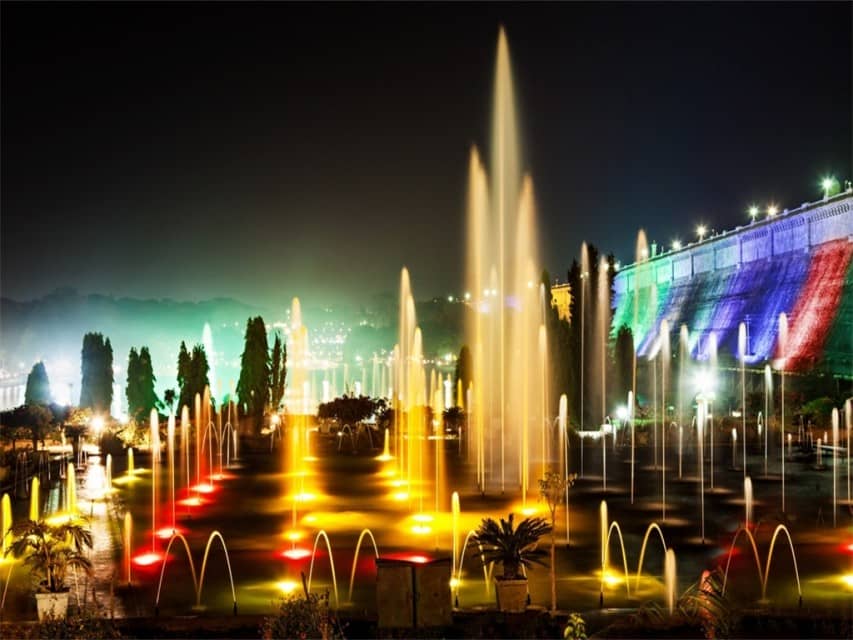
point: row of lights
(828, 184)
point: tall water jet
(71, 490)
(5, 523)
(665, 358)
(633, 439)
(670, 579)
(768, 392)
(155, 467)
(712, 359)
(185, 448)
(700, 438)
(602, 312)
(747, 501)
(130, 467)
(741, 349)
(128, 545)
(109, 472)
(584, 277)
(834, 465)
(564, 453)
(848, 419)
(34, 499)
(505, 319)
(170, 443)
(683, 354)
(782, 350)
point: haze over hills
(51, 328)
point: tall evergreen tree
(184, 373)
(147, 395)
(278, 372)
(38, 386)
(132, 390)
(198, 373)
(96, 368)
(253, 386)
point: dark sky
(267, 150)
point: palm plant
(52, 550)
(512, 547)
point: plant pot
(54, 605)
(511, 594)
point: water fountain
(670, 579)
(834, 466)
(782, 350)
(764, 575)
(768, 392)
(5, 523)
(508, 315)
(747, 501)
(71, 490)
(322, 534)
(198, 580)
(128, 546)
(367, 532)
(606, 528)
(665, 357)
(35, 512)
(742, 349)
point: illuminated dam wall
(799, 262)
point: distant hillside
(52, 328)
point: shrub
(302, 617)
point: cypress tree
(38, 386)
(184, 373)
(96, 368)
(278, 372)
(132, 391)
(147, 395)
(198, 372)
(253, 387)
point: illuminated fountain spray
(602, 314)
(71, 490)
(633, 439)
(768, 391)
(564, 449)
(505, 323)
(296, 454)
(130, 468)
(747, 501)
(5, 523)
(109, 471)
(155, 468)
(834, 465)
(665, 358)
(848, 419)
(128, 546)
(670, 579)
(606, 528)
(783, 348)
(170, 443)
(712, 359)
(584, 277)
(741, 349)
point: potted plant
(514, 548)
(51, 551)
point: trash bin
(413, 592)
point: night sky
(262, 151)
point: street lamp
(772, 210)
(753, 212)
(701, 230)
(829, 185)
(676, 245)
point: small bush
(302, 617)
(575, 628)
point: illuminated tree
(198, 373)
(253, 387)
(96, 367)
(184, 365)
(38, 386)
(278, 372)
